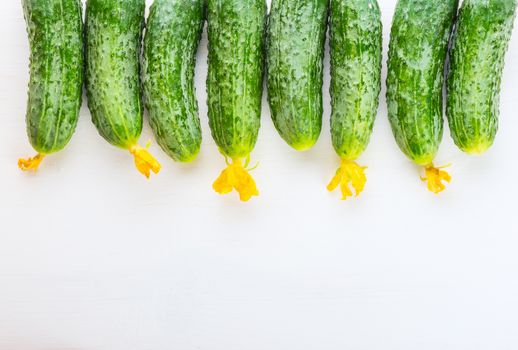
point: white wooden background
(95, 257)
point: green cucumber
(295, 51)
(113, 43)
(55, 30)
(172, 36)
(356, 53)
(418, 45)
(236, 30)
(477, 61)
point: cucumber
(55, 30)
(418, 45)
(296, 38)
(236, 30)
(173, 33)
(356, 53)
(113, 43)
(477, 61)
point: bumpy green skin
(172, 36)
(296, 38)
(113, 41)
(55, 29)
(356, 51)
(236, 30)
(477, 62)
(419, 42)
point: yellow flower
(144, 161)
(349, 173)
(435, 177)
(236, 177)
(31, 163)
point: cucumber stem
(31, 163)
(144, 161)
(435, 177)
(349, 173)
(236, 177)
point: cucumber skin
(477, 61)
(113, 41)
(418, 46)
(356, 59)
(55, 30)
(295, 52)
(236, 31)
(172, 36)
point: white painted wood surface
(95, 257)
